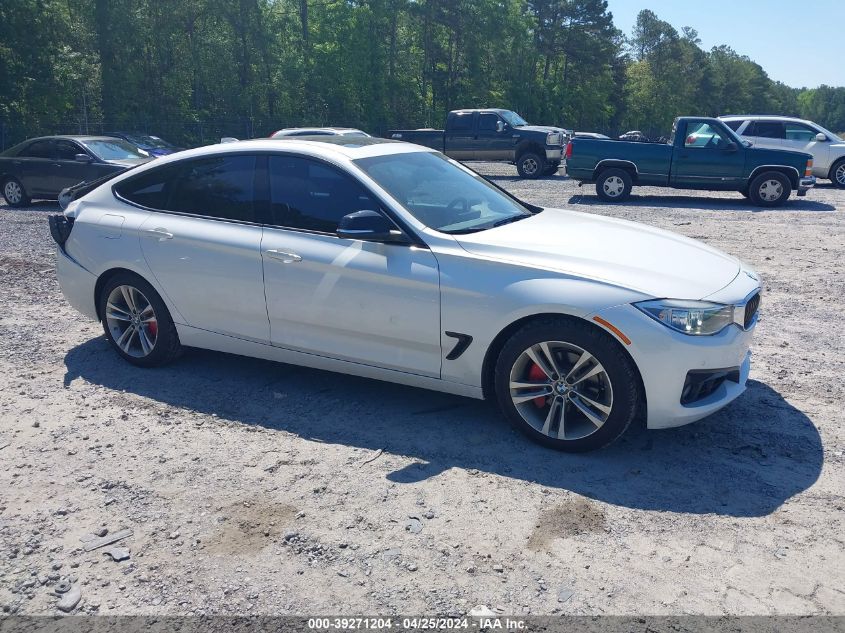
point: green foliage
(194, 70)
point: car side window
(462, 122)
(703, 136)
(487, 122)
(65, 150)
(219, 187)
(799, 132)
(307, 194)
(38, 149)
(768, 129)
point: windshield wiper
(503, 221)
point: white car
(783, 132)
(388, 260)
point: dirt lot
(253, 487)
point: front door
(366, 302)
(204, 246)
(800, 137)
(69, 171)
(708, 159)
(490, 143)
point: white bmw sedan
(388, 260)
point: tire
(14, 193)
(614, 185)
(551, 169)
(769, 189)
(837, 173)
(614, 386)
(159, 344)
(530, 165)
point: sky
(797, 42)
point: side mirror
(500, 126)
(370, 226)
(82, 158)
(821, 138)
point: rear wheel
(770, 189)
(614, 185)
(530, 165)
(837, 174)
(136, 321)
(14, 193)
(566, 385)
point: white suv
(783, 132)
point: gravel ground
(261, 488)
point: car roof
(71, 137)
(318, 129)
(761, 117)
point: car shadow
(38, 205)
(744, 461)
(704, 203)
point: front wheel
(614, 185)
(837, 174)
(136, 321)
(770, 189)
(531, 165)
(14, 193)
(566, 385)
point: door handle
(285, 258)
(161, 234)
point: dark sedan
(151, 144)
(41, 167)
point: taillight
(60, 228)
(809, 170)
(568, 152)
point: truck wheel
(530, 165)
(837, 173)
(613, 185)
(551, 169)
(769, 189)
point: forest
(194, 70)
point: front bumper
(77, 284)
(665, 357)
(805, 184)
(554, 154)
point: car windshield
(145, 141)
(442, 194)
(115, 149)
(513, 119)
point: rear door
(460, 135)
(365, 302)
(202, 240)
(706, 157)
(768, 134)
(35, 167)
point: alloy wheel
(771, 190)
(840, 175)
(613, 186)
(13, 192)
(561, 390)
(132, 321)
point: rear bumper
(805, 184)
(77, 284)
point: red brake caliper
(535, 373)
(152, 328)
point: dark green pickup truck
(702, 153)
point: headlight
(554, 138)
(696, 318)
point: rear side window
(219, 187)
(38, 149)
(766, 129)
(306, 194)
(462, 122)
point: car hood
(645, 259)
(545, 129)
